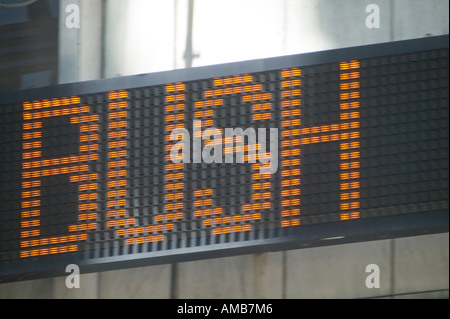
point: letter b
(243, 308)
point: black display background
(404, 168)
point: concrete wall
(412, 267)
(147, 36)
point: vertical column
(116, 185)
(349, 150)
(31, 193)
(173, 172)
(290, 147)
(87, 199)
(88, 185)
(261, 183)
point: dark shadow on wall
(29, 45)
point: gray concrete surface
(241, 277)
(337, 271)
(421, 265)
(412, 267)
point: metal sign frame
(379, 228)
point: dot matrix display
(88, 178)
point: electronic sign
(298, 151)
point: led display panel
(291, 152)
